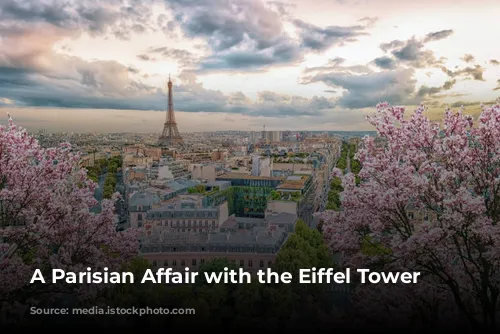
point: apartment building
(250, 243)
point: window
(193, 262)
(154, 263)
(202, 261)
(139, 216)
(410, 215)
(183, 263)
(250, 263)
(242, 263)
(269, 264)
(174, 263)
(261, 264)
(165, 263)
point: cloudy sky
(102, 65)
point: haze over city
(239, 65)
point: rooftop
(183, 205)
(143, 198)
(245, 176)
(161, 241)
(295, 182)
(263, 236)
(181, 184)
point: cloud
(229, 36)
(412, 52)
(494, 62)
(438, 35)
(321, 39)
(146, 57)
(370, 21)
(337, 64)
(183, 57)
(282, 53)
(250, 35)
(242, 35)
(6, 102)
(33, 75)
(283, 8)
(425, 91)
(475, 73)
(385, 62)
(363, 89)
(498, 85)
(114, 17)
(468, 58)
(360, 86)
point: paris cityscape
(176, 136)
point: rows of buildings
(241, 207)
(234, 195)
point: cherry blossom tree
(429, 201)
(45, 221)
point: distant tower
(170, 135)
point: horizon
(288, 66)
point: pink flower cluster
(45, 220)
(429, 201)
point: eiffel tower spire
(170, 135)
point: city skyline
(297, 65)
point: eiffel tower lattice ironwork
(170, 135)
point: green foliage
(295, 196)
(348, 152)
(342, 163)
(215, 265)
(301, 155)
(333, 202)
(112, 166)
(355, 166)
(198, 189)
(275, 195)
(303, 249)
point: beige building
(184, 214)
(203, 172)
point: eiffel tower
(170, 135)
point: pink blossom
(45, 219)
(448, 171)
